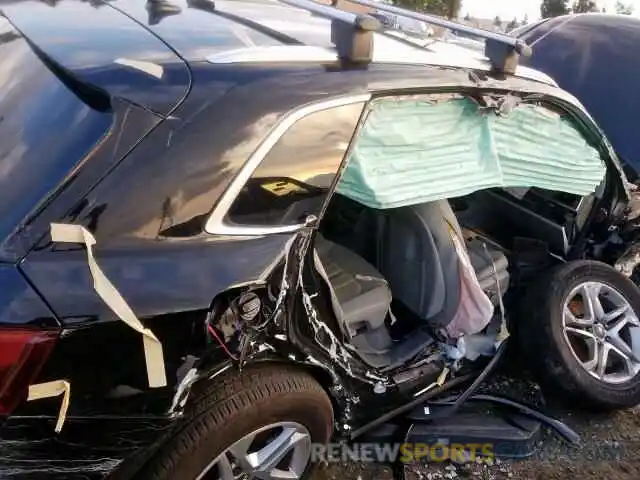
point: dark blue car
(594, 57)
(232, 230)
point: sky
(508, 9)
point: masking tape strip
(149, 68)
(66, 233)
(438, 383)
(442, 377)
(503, 334)
(53, 389)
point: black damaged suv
(231, 230)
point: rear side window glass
(294, 178)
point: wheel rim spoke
(591, 299)
(224, 469)
(571, 320)
(625, 350)
(240, 451)
(616, 327)
(630, 366)
(603, 358)
(278, 451)
(267, 459)
(276, 474)
(585, 334)
(614, 314)
(594, 351)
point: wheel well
(323, 377)
(320, 374)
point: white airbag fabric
(411, 151)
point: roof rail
(351, 33)
(502, 50)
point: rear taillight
(22, 355)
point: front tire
(261, 421)
(580, 333)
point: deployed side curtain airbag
(411, 151)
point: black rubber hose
(420, 399)
(564, 430)
(464, 396)
(398, 467)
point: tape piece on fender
(53, 389)
(154, 357)
(149, 68)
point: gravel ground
(608, 449)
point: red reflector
(22, 355)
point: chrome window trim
(215, 223)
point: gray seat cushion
(361, 294)
(491, 267)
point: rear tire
(563, 349)
(236, 406)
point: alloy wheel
(276, 452)
(603, 332)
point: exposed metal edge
(215, 223)
(275, 53)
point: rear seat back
(417, 257)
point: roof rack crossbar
(351, 33)
(501, 49)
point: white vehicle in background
(463, 40)
(423, 34)
(405, 28)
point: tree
(554, 8)
(513, 24)
(623, 8)
(454, 8)
(525, 20)
(444, 8)
(497, 21)
(467, 18)
(585, 6)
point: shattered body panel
(621, 247)
(586, 65)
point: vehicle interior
(394, 273)
(426, 191)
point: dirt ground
(608, 449)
